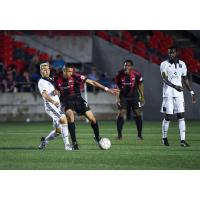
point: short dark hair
(69, 65)
(173, 48)
(129, 61)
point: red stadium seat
(116, 40)
(20, 65)
(44, 57)
(104, 35)
(126, 45)
(19, 44)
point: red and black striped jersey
(70, 87)
(128, 83)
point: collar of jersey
(48, 79)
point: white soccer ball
(105, 143)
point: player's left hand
(194, 99)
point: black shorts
(77, 104)
(127, 102)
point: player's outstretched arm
(166, 81)
(49, 99)
(98, 85)
(188, 86)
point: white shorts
(55, 113)
(173, 105)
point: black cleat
(43, 143)
(119, 138)
(75, 146)
(165, 141)
(139, 137)
(184, 143)
(97, 141)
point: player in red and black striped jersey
(130, 84)
(70, 85)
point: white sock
(165, 126)
(65, 134)
(52, 135)
(182, 128)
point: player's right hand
(113, 91)
(178, 88)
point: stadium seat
(116, 40)
(104, 35)
(44, 57)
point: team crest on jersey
(180, 66)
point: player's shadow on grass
(18, 148)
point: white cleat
(68, 147)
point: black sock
(120, 123)
(138, 121)
(95, 128)
(72, 131)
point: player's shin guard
(72, 131)
(182, 128)
(95, 128)
(65, 134)
(165, 127)
(138, 121)
(120, 123)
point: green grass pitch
(19, 142)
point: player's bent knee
(70, 115)
(63, 120)
(92, 119)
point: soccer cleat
(43, 143)
(139, 137)
(97, 141)
(165, 141)
(119, 138)
(184, 143)
(75, 146)
(68, 147)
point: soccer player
(130, 84)
(69, 85)
(53, 108)
(174, 72)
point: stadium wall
(110, 58)
(29, 107)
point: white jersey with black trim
(174, 72)
(44, 84)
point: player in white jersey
(53, 108)
(174, 72)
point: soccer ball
(105, 143)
